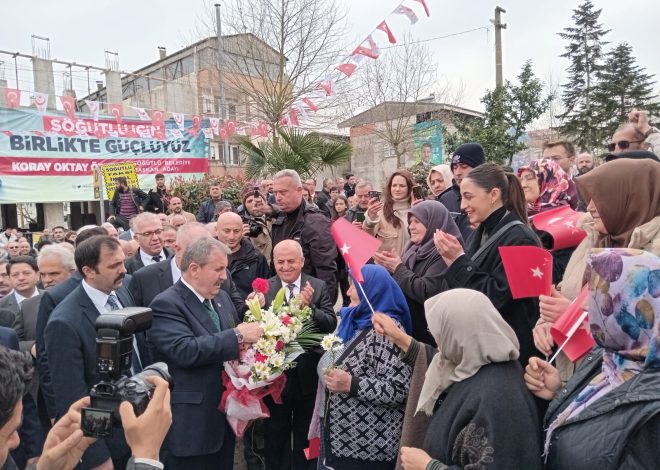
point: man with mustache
(70, 338)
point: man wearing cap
(465, 158)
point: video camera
(114, 356)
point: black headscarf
(433, 215)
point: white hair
(85, 227)
(57, 251)
(144, 217)
(293, 174)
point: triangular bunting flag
(69, 105)
(40, 100)
(426, 8)
(12, 97)
(370, 51)
(347, 69)
(404, 10)
(390, 36)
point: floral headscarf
(555, 186)
(624, 315)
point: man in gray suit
(23, 277)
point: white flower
(276, 360)
(330, 342)
(261, 370)
(262, 344)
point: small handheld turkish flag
(528, 270)
(355, 245)
(561, 224)
(314, 449)
(571, 330)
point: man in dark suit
(70, 338)
(23, 277)
(150, 281)
(30, 432)
(149, 235)
(294, 415)
(158, 199)
(196, 336)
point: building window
(388, 150)
(208, 104)
(234, 155)
(213, 151)
(231, 112)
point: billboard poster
(51, 158)
(428, 142)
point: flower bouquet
(288, 332)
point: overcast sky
(81, 30)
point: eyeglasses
(622, 144)
(151, 234)
(528, 176)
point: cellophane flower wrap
(288, 332)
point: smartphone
(374, 194)
(96, 423)
(359, 216)
(418, 192)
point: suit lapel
(166, 278)
(196, 308)
(125, 297)
(88, 308)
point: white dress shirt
(19, 298)
(296, 289)
(146, 258)
(176, 272)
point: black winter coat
(618, 431)
(451, 198)
(312, 230)
(245, 266)
(487, 275)
(421, 282)
(487, 421)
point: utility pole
(221, 57)
(499, 26)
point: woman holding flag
(608, 414)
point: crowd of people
(440, 366)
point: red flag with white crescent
(158, 117)
(573, 328)
(69, 105)
(562, 225)
(347, 69)
(196, 125)
(117, 110)
(371, 50)
(390, 36)
(12, 97)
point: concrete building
(374, 159)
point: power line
(487, 28)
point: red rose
(260, 285)
(279, 346)
(260, 357)
(286, 319)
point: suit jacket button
(469, 269)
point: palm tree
(306, 153)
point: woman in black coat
(494, 201)
(420, 272)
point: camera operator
(256, 221)
(65, 443)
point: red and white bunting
(310, 105)
(231, 127)
(223, 134)
(328, 85)
(390, 36)
(142, 114)
(12, 97)
(370, 50)
(347, 69)
(208, 132)
(179, 120)
(93, 107)
(426, 8)
(40, 100)
(69, 105)
(196, 125)
(263, 129)
(301, 110)
(158, 117)
(117, 110)
(404, 10)
(176, 133)
(215, 125)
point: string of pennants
(298, 112)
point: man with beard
(176, 208)
(158, 199)
(585, 163)
(70, 339)
(126, 203)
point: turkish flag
(347, 69)
(69, 105)
(311, 105)
(356, 246)
(426, 8)
(561, 223)
(293, 117)
(314, 449)
(574, 324)
(12, 97)
(158, 118)
(370, 51)
(404, 10)
(196, 125)
(390, 36)
(117, 110)
(528, 270)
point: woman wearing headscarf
(419, 273)
(608, 414)
(547, 186)
(367, 386)
(623, 199)
(388, 220)
(481, 415)
(439, 179)
(494, 200)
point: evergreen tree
(509, 109)
(622, 87)
(585, 52)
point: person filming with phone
(355, 214)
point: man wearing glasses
(637, 134)
(148, 232)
